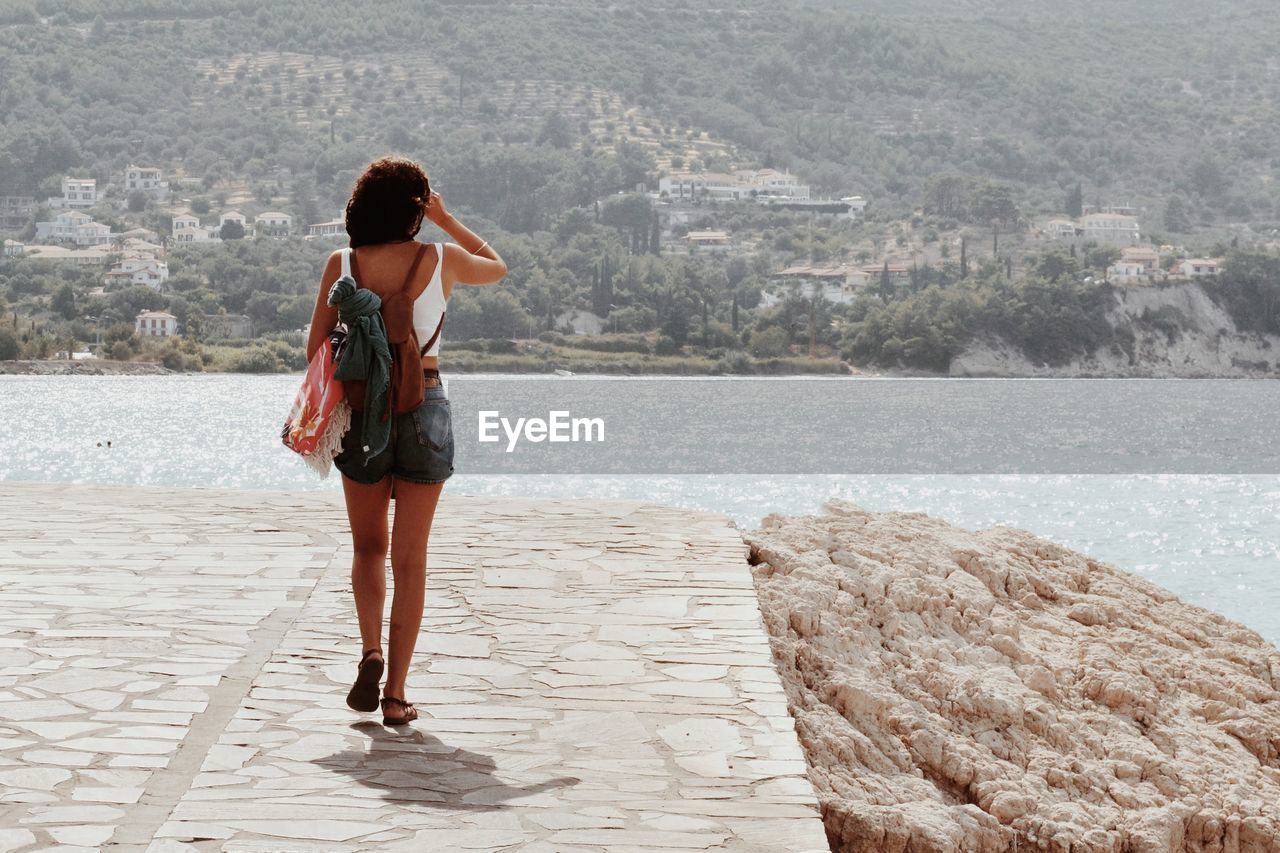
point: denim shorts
(420, 449)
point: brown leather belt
(431, 377)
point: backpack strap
(434, 335)
(413, 270)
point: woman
(383, 217)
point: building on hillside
(839, 284)
(1060, 229)
(1112, 228)
(73, 226)
(88, 257)
(132, 245)
(332, 228)
(707, 241)
(236, 217)
(273, 223)
(898, 272)
(78, 192)
(143, 234)
(857, 206)
(16, 211)
(770, 184)
(156, 324)
(14, 249)
(1148, 257)
(742, 185)
(1112, 208)
(850, 207)
(187, 229)
(146, 180)
(221, 327)
(1200, 267)
(137, 268)
(581, 322)
(1127, 272)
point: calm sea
(1212, 539)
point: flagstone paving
(591, 676)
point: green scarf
(366, 354)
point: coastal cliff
(1166, 331)
(992, 691)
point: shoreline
(107, 367)
(93, 367)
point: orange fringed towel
(320, 414)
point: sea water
(1212, 539)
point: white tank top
(428, 308)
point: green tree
(10, 348)
(1075, 202)
(64, 301)
(1176, 216)
(231, 230)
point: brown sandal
(410, 712)
(363, 695)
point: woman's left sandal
(410, 712)
(363, 695)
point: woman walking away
(391, 292)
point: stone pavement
(591, 676)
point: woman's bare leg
(415, 510)
(367, 512)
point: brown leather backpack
(407, 387)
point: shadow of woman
(421, 768)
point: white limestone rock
(974, 691)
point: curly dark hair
(388, 202)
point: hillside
(872, 98)
(964, 125)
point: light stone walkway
(591, 676)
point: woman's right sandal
(363, 695)
(410, 712)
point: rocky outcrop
(992, 691)
(1167, 330)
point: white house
(187, 229)
(138, 268)
(13, 249)
(839, 284)
(93, 256)
(582, 322)
(238, 218)
(158, 324)
(72, 226)
(1199, 267)
(1127, 272)
(273, 223)
(1060, 229)
(332, 228)
(857, 206)
(707, 241)
(1148, 257)
(225, 326)
(145, 179)
(79, 192)
(770, 183)
(744, 184)
(16, 211)
(1113, 228)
